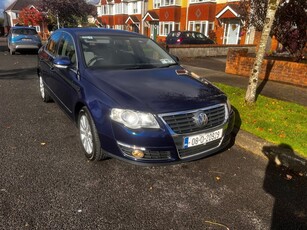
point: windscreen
(123, 52)
(23, 31)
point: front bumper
(163, 146)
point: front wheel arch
(89, 137)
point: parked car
(187, 37)
(23, 38)
(130, 99)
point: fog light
(137, 153)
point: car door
(46, 57)
(194, 39)
(65, 81)
(188, 39)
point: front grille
(183, 123)
(148, 154)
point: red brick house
(12, 16)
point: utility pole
(57, 19)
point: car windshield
(123, 52)
(23, 31)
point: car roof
(23, 27)
(185, 31)
(98, 31)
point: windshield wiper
(169, 65)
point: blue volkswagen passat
(130, 99)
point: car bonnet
(159, 90)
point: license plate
(26, 39)
(203, 138)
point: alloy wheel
(86, 134)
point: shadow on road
(288, 189)
(18, 74)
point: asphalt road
(46, 182)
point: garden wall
(239, 63)
(194, 51)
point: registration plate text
(201, 139)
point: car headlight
(134, 119)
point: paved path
(213, 68)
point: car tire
(89, 136)
(44, 94)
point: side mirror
(62, 62)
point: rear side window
(188, 35)
(174, 34)
(23, 31)
(199, 35)
(52, 43)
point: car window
(24, 31)
(123, 52)
(52, 43)
(188, 35)
(175, 34)
(67, 48)
(201, 36)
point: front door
(231, 33)
(65, 81)
(154, 31)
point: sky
(3, 5)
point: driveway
(46, 182)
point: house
(12, 11)
(122, 14)
(12, 16)
(156, 18)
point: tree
(250, 96)
(30, 16)
(70, 13)
(289, 27)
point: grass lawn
(276, 121)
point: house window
(199, 1)
(125, 8)
(167, 27)
(119, 27)
(134, 8)
(102, 10)
(156, 4)
(108, 9)
(201, 26)
(170, 2)
(121, 8)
